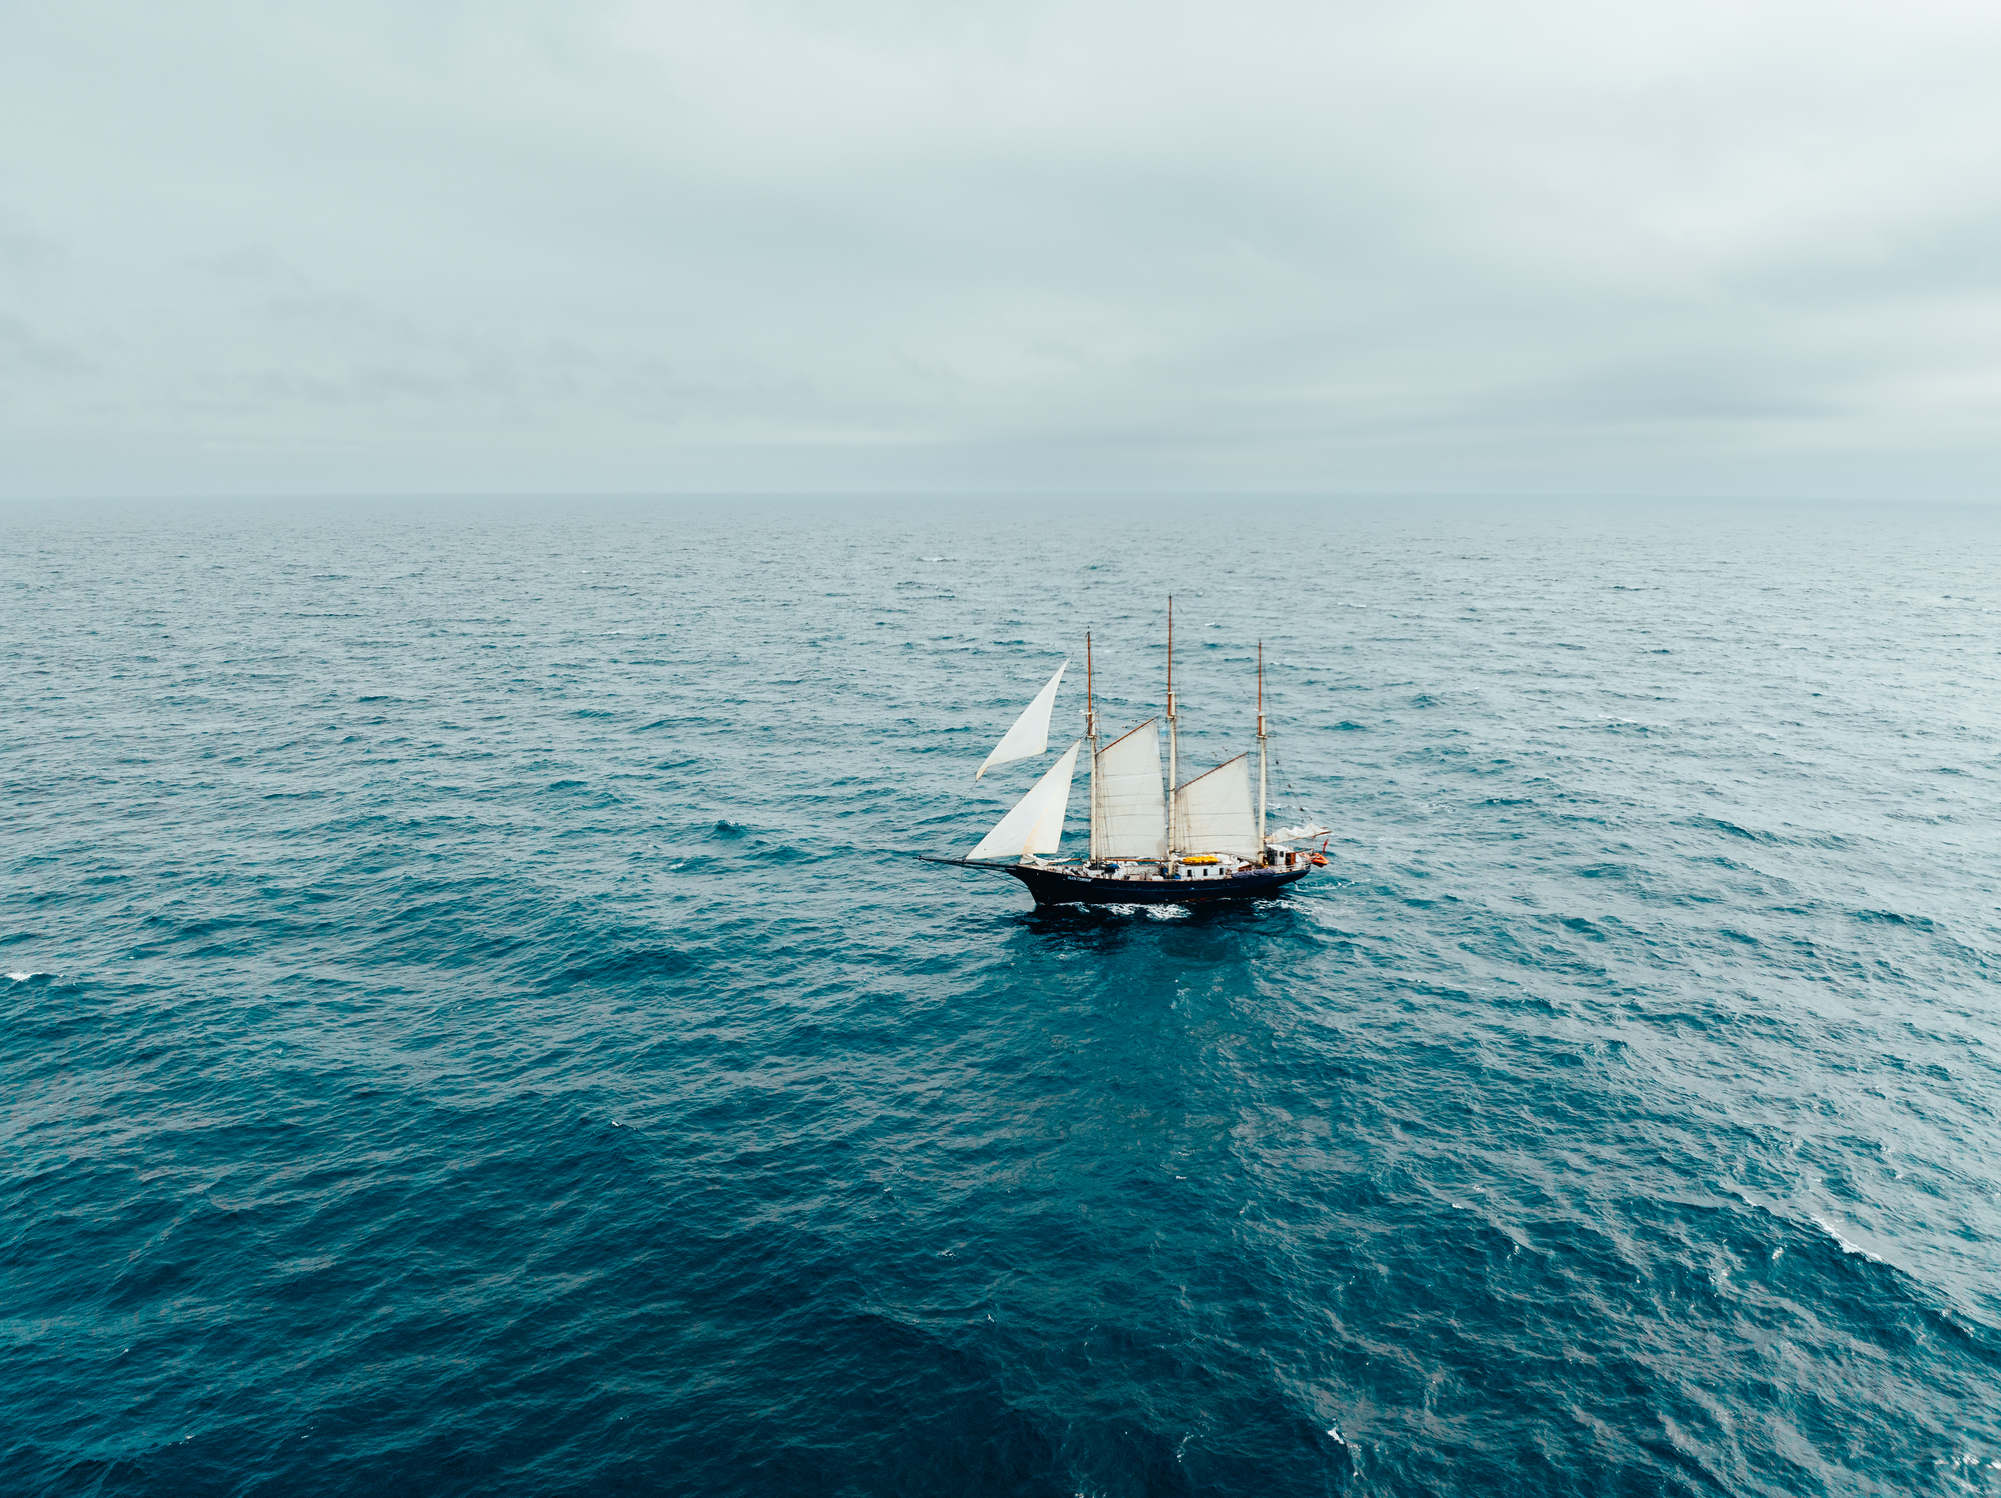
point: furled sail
(1030, 734)
(1213, 812)
(1035, 825)
(1131, 815)
(1301, 833)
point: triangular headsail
(1035, 825)
(1030, 734)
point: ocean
(475, 1023)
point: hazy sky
(1690, 247)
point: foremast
(1173, 742)
(1091, 734)
(1261, 750)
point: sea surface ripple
(472, 1022)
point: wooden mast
(1261, 750)
(1173, 737)
(1091, 733)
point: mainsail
(1129, 813)
(1213, 812)
(1030, 734)
(1035, 825)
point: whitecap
(1846, 1246)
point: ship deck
(1078, 884)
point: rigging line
(1297, 802)
(1284, 771)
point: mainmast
(1261, 749)
(1091, 733)
(1173, 734)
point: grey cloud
(25, 351)
(1283, 246)
(23, 251)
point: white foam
(24, 977)
(1846, 1246)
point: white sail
(1035, 825)
(1130, 812)
(1213, 812)
(1301, 833)
(1030, 734)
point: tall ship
(1177, 842)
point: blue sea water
(470, 1021)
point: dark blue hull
(1058, 887)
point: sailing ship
(1202, 840)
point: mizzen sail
(1030, 734)
(1035, 825)
(1213, 812)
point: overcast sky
(1705, 247)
